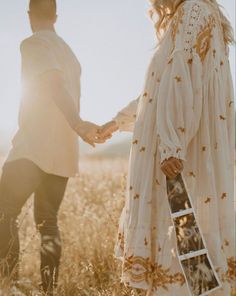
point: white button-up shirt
(45, 136)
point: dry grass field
(88, 220)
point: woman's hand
(90, 133)
(172, 167)
(108, 129)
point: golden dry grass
(88, 221)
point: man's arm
(43, 71)
(52, 86)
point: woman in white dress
(182, 122)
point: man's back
(44, 136)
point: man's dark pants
(19, 180)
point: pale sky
(112, 39)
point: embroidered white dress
(185, 111)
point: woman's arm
(180, 97)
(123, 121)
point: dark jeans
(19, 180)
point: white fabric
(186, 111)
(125, 119)
(44, 135)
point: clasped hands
(95, 134)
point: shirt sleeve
(179, 103)
(126, 118)
(55, 88)
(37, 58)
(40, 67)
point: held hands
(94, 134)
(108, 129)
(172, 167)
(89, 133)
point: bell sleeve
(179, 103)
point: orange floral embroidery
(214, 53)
(204, 148)
(226, 242)
(141, 269)
(142, 149)
(136, 196)
(203, 40)
(223, 195)
(191, 174)
(182, 129)
(145, 241)
(207, 200)
(222, 117)
(178, 78)
(230, 275)
(190, 61)
(178, 150)
(135, 142)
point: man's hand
(90, 133)
(108, 129)
(172, 167)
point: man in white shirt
(45, 149)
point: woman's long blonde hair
(164, 10)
